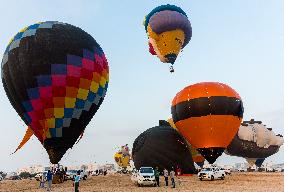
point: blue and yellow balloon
(168, 30)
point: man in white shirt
(166, 176)
(172, 175)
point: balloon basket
(171, 68)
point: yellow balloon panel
(121, 159)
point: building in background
(31, 169)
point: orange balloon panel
(198, 158)
(205, 89)
(209, 131)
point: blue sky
(239, 43)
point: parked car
(242, 170)
(226, 170)
(211, 174)
(71, 174)
(15, 177)
(95, 173)
(37, 176)
(145, 176)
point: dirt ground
(237, 182)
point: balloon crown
(167, 7)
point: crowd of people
(46, 178)
(60, 172)
(166, 175)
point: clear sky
(239, 43)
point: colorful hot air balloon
(196, 156)
(168, 30)
(254, 142)
(208, 115)
(56, 77)
(163, 147)
(122, 157)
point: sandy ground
(237, 182)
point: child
(41, 181)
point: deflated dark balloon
(55, 76)
(162, 146)
(249, 149)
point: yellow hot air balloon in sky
(169, 31)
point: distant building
(85, 167)
(31, 169)
(241, 166)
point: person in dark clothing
(157, 175)
(49, 177)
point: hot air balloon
(122, 157)
(169, 31)
(163, 147)
(208, 115)
(56, 77)
(196, 156)
(254, 141)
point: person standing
(76, 181)
(49, 176)
(166, 176)
(178, 171)
(40, 178)
(157, 175)
(42, 181)
(172, 175)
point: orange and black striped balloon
(208, 115)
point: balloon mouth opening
(56, 148)
(171, 58)
(55, 155)
(211, 153)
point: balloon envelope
(196, 156)
(254, 141)
(121, 159)
(55, 76)
(168, 30)
(162, 146)
(208, 115)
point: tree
(25, 175)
